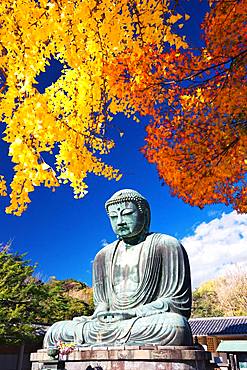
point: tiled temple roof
(219, 325)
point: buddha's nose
(120, 220)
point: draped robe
(161, 300)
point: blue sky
(63, 235)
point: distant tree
(66, 299)
(20, 296)
(205, 301)
(26, 302)
(223, 296)
(232, 292)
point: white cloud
(216, 245)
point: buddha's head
(129, 214)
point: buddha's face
(126, 220)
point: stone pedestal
(125, 358)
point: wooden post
(20, 357)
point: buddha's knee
(174, 319)
(61, 330)
(163, 328)
(166, 318)
(180, 326)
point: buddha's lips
(123, 228)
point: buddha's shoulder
(163, 240)
(106, 249)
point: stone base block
(125, 358)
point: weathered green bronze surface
(141, 282)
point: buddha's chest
(126, 269)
